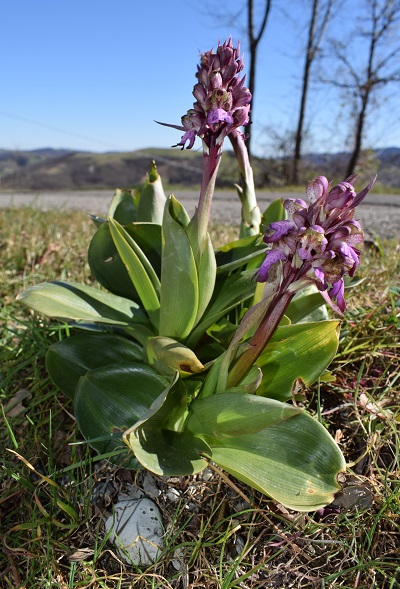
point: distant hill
(48, 169)
(62, 169)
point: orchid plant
(189, 355)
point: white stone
(173, 495)
(136, 530)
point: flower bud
(342, 195)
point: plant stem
(211, 161)
(263, 333)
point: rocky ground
(379, 213)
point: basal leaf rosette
(274, 447)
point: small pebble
(207, 474)
(136, 530)
(173, 495)
(178, 559)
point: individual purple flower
(222, 101)
(337, 292)
(271, 258)
(318, 243)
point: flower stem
(211, 161)
(263, 334)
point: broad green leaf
(105, 261)
(236, 414)
(152, 198)
(300, 351)
(229, 293)
(294, 461)
(246, 252)
(274, 212)
(168, 453)
(141, 272)
(71, 301)
(158, 440)
(307, 305)
(107, 266)
(123, 207)
(109, 399)
(179, 296)
(70, 358)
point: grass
(219, 534)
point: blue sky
(86, 74)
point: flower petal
(272, 257)
(277, 230)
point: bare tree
(316, 30)
(253, 33)
(379, 40)
(254, 38)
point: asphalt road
(379, 213)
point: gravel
(379, 213)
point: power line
(165, 160)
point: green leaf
(178, 212)
(206, 278)
(158, 440)
(141, 272)
(229, 293)
(105, 261)
(71, 301)
(152, 198)
(294, 461)
(236, 414)
(274, 212)
(274, 447)
(179, 296)
(307, 305)
(123, 207)
(249, 383)
(300, 351)
(246, 252)
(222, 332)
(108, 400)
(70, 358)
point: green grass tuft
(54, 491)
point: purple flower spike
(222, 101)
(317, 244)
